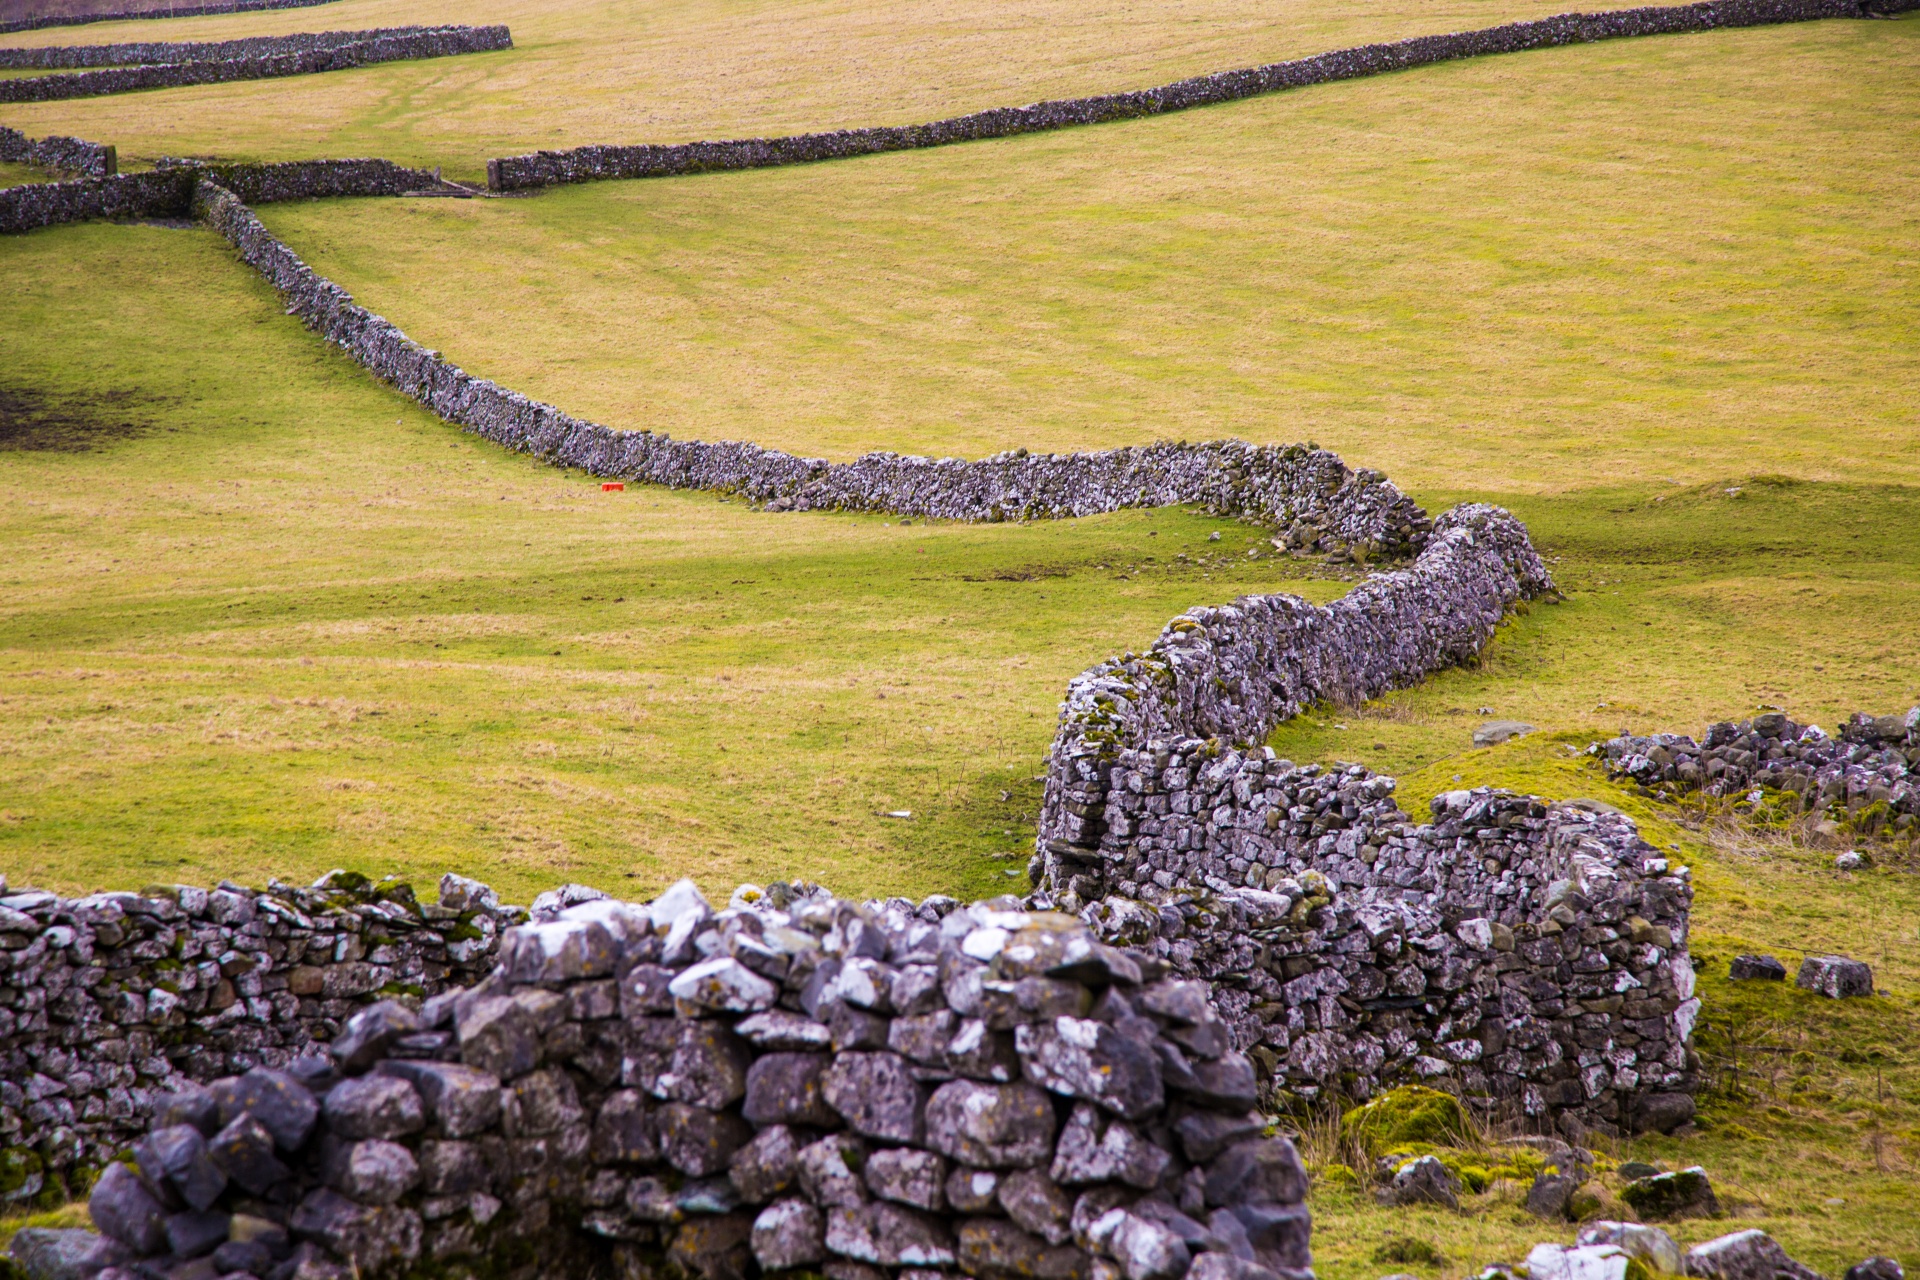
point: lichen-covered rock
(374, 1106)
(1007, 1126)
(1685, 1193)
(1835, 977)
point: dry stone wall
(333, 51)
(108, 1000)
(162, 53)
(137, 15)
(167, 192)
(56, 152)
(879, 1091)
(586, 164)
(1310, 492)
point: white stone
(985, 944)
(681, 897)
(1581, 1262)
(724, 983)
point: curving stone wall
(108, 1000)
(137, 15)
(592, 163)
(1868, 776)
(792, 1083)
(1233, 672)
(347, 50)
(56, 152)
(167, 192)
(1311, 492)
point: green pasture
(592, 71)
(260, 616)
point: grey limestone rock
(460, 1100)
(1745, 1255)
(1651, 1245)
(878, 1095)
(1095, 1149)
(1259, 1170)
(1082, 1058)
(766, 1165)
(123, 1208)
(278, 1102)
(369, 1033)
(1686, 1193)
(178, 1154)
(908, 1176)
(246, 1153)
(1835, 977)
(1876, 1268)
(1033, 1200)
(785, 1088)
(789, 1233)
(699, 1142)
(374, 1106)
(1425, 1181)
(374, 1171)
(829, 1171)
(368, 1237)
(45, 1253)
(1008, 1126)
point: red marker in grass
(613, 486)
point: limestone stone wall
(351, 49)
(1310, 492)
(109, 1000)
(792, 1083)
(166, 52)
(167, 192)
(165, 11)
(58, 152)
(591, 163)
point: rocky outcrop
(792, 1082)
(1866, 779)
(592, 163)
(332, 51)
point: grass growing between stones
(592, 71)
(295, 623)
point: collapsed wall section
(167, 191)
(592, 163)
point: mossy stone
(1411, 1113)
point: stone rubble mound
(793, 1082)
(1870, 772)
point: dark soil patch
(33, 421)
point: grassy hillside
(614, 71)
(277, 619)
(1642, 263)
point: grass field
(588, 71)
(260, 616)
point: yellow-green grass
(588, 71)
(12, 174)
(300, 624)
(1638, 263)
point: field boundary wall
(142, 15)
(167, 192)
(330, 51)
(94, 159)
(594, 163)
(1322, 503)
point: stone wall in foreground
(56, 152)
(791, 1084)
(365, 49)
(1320, 502)
(108, 1000)
(168, 11)
(586, 164)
